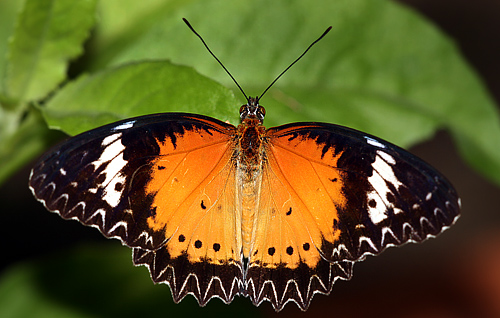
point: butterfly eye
(261, 113)
(243, 112)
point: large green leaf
(133, 90)
(48, 34)
(382, 69)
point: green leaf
(382, 69)
(29, 137)
(8, 14)
(123, 22)
(98, 281)
(134, 90)
(48, 34)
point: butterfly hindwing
(203, 280)
(163, 184)
(282, 284)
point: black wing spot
(333, 180)
(152, 212)
(203, 205)
(118, 187)
(391, 198)
(289, 250)
(197, 244)
(289, 211)
(306, 246)
(372, 203)
(335, 224)
(271, 251)
(216, 247)
(100, 179)
(182, 238)
(161, 167)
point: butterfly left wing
(162, 184)
(330, 196)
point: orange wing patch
(300, 197)
(194, 199)
(299, 205)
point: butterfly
(216, 210)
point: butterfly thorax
(251, 135)
(250, 151)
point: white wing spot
(374, 142)
(113, 156)
(126, 125)
(111, 138)
(387, 157)
(382, 173)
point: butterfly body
(250, 154)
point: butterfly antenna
(317, 40)
(215, 57)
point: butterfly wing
(330, 196)
(163, 184)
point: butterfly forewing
(383, 196)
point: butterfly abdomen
(249, 178)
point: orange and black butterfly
(215, 210)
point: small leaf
(134, 90)
(48, 34)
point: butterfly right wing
(164, 185)
(332, 195)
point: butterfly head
(252, 110)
